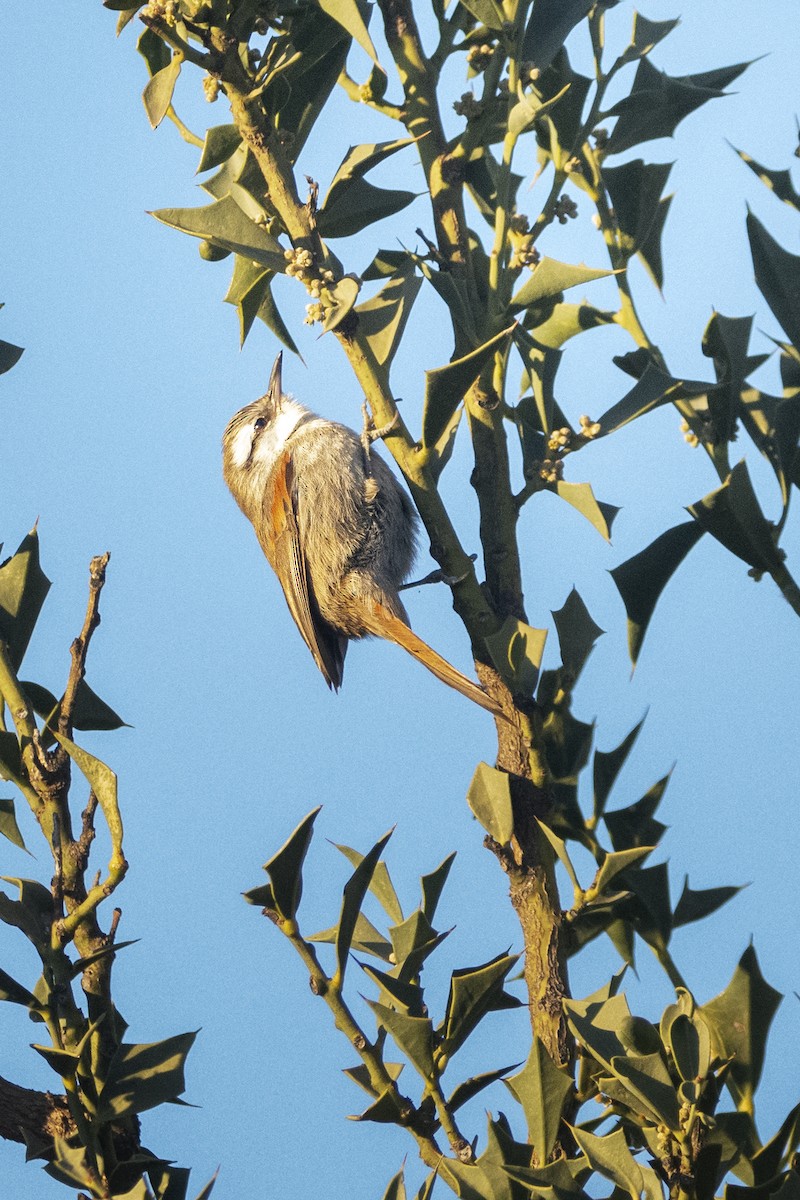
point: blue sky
(111, 430)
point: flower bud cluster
(565, 209)
(479, 57)
(689, 436)
(468, 107)
(548, 470)
(210, 87)
(589, 428)
(300, 265)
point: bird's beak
(275, 390)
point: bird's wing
(326, 645)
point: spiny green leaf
(618, 861)
(360, 1074)
(366, 939)
(646, 34)
(695, 905)
(516, 651)
(8, 824)
(778, 277)
(581, 497)
(432, 885)
(607, 766)
(577, 632)
(473, 991)
(15, 993)
(652, 389)
(560, 847)
(413, 1035)
(143, 1076)
(352, 898)
(650, 907)
(550, 24)
(384, 1111)
(635, 190)
(658, 102)
(739, 1019)
(9, 356)
(780, 182)
(642, 579)
(397, 1187)
(610, 1156)
(381, 884)
(541, 1088)
(445, 387)
(382, 319)
(732, 515)
(647, 1078)
(471, 1087)
(489, 798)
(566, 321)
(488, 12)
(396, 993)
(89, 711)
(349, 210)
(285, 868)
(23, 588)
(550, 278)
(64, 1062)
(636, 825)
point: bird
(335, 525)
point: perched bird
(336, 527)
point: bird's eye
(259, 423)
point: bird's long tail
(385, 624)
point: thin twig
(80, 647)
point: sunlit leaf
(224, 224)
(516, 651)
(541, 1088)
(157, 95)
(489, 798)
(23, 588)
(285, 868)
(550, 278)
(581, 497)
(380, 885)
(610, 1157)
(347, 14)
(473, 991)
(445, 387)
(8, 824)
(344, 294)
(220, 143)
(143, 1076)
(382, 319)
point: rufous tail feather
(387, 625)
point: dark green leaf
(143, 1076)
(568, 743)
(396, 993)
(607, 766)
(636, 825)
(472, 1087)
(23, 588)
(618, 861)
(285, 869)
(549, 27)
(652, 389)
(157, 95)
(382, 319)
(650, 250)
(541, 1088)
(220, 143)
(635, 190)
(732, 515)
(8, 824)
(649, 907)
(776, 1151)
(413, 1035)
(489, 798)
(352, 898)
(642, 579)
(9, 356)
(739, 1019)
(361, 204)
(411, 935)
(89, 712)
(64, 1062)
(473, 993)
(15, 993)
(69, 1165)
(780, 182)
(445, 387)
(577, 633)
(385, 1110)
(778, 277)
(155, 52)
(366, 939)
(647, 1078)
(397, 1188)
(658, 103)
(646, 34)
(224, 224)
(689, 1043)
(360, 1074)
(433, 884)
(695, 905)
(386, 263)
(381, 884)
(516, 651)
(550, 278)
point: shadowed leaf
(23, 588)
(577, 632)
(607, 766)
(472, 1087)
(642, 579)
(9, 356)
(413, 1035)
(695, 905)
(433, 884)
(143, 1076)
(778, 277)
(381, 884)
(779, 182)
(224, 224)
(541, 1088)
(347, 14)
(352, 898)
(516, 651)
(220, 143)
(473, 992)
(550, 24)
(382, 319)
(8, 824)
(445, 387)
(285, 868)
(609, 1155)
